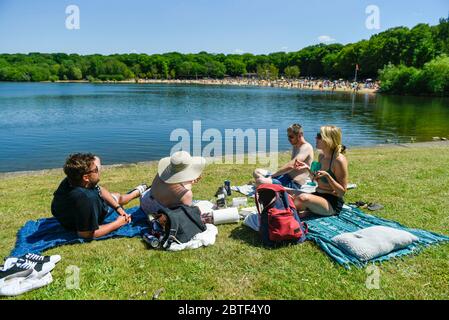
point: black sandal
(375, 206)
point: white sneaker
(39, 269)
(16, 271)
(43, 259)
(16, 286)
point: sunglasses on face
(318, 136)
(93, 171)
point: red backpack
(278, 219)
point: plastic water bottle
(227, 185)
(221, 197)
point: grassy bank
(411, 183)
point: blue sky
(227, 26)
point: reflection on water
(41, 123)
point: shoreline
(280, 83)
(14, 174)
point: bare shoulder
(307, 147)
(342, 161)
(306, 151)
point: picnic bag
(278, 219)
(182, 224)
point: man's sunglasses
(93, 171)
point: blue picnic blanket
(350, 219)
(43, 234)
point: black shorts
(335, 202)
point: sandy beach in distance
(316, 85)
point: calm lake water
(41, 123)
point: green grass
(412, 184)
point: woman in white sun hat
(172, 186)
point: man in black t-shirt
(80, 204)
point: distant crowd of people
(303, 83)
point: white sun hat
(180, 167)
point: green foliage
(395, 79)
(235, 67)
(433, 79)
(74, 73)
(267, 71)
(436, 74)
(441, 32)
(292, 72)
(400, 46)
(53, 78)
(215, 69)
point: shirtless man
(287, 175)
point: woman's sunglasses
(318, 136)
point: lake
(41, 123)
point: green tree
(279, 60)
(399, 46)
(190, 70)
(396, 79)
(441, 36)
(292, 72)
(215, 69)
(421, 46)
(74, 73)
(267, 72)
(436, 74)
(235, 67)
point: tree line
(400, 47)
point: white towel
(205, 238)
(247, 189)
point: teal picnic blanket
(350, 219)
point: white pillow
(373, 242)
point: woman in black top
(332, 178)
